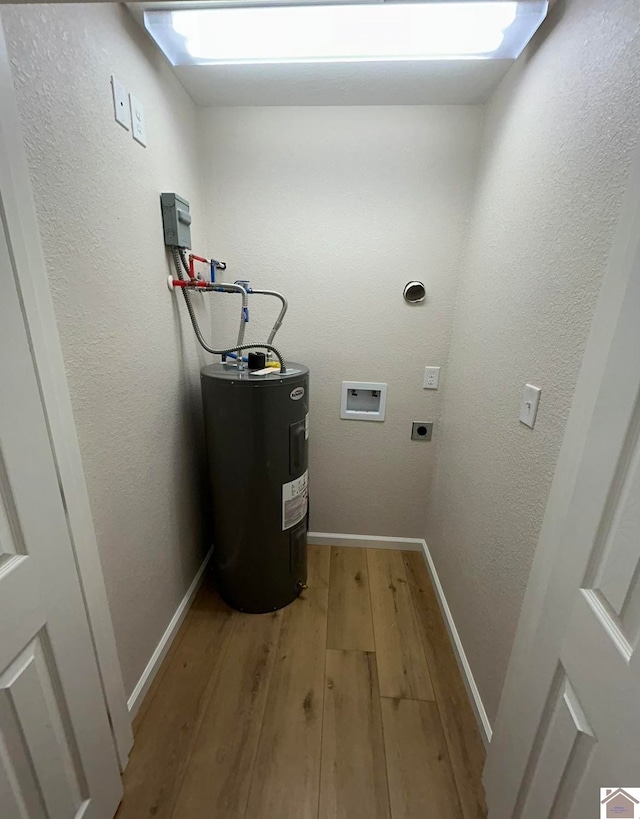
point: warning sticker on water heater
(295, 499)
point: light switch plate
(431, 378)
(121, 103)
(138, 127)
(529, 405)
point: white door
(57, 758)
(569, 718)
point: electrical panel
(176, 219)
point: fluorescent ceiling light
(498, 29)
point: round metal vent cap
(414, 292)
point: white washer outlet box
(363, 401)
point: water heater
(257, 430)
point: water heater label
(296, 394)
(295, 500)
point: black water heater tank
(257, 430)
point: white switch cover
(529, 406)
(431, 378)
(137, 120)
(121, 103)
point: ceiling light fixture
(473, 30)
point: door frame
(612, 333)
(26, 249)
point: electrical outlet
(121, 103)
(421, 430)
(431, 378)
(138, 128)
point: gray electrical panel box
(176, 220)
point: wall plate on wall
(363, 401)
(431, 378)
(421, 430)
(138, 128)
(529, 405)
(121, 103)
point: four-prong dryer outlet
(257, 430)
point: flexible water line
(282, 314)
(238, 288)
(180, 262)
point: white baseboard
(465, 668)
(409, 544)
(142, 686)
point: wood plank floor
(347, 704)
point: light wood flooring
(347, 704)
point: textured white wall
(132, 363)
(556, 146)
(338, 208)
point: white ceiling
(424, 82)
